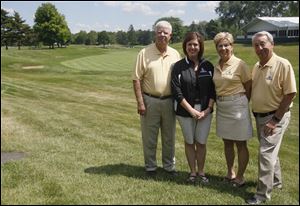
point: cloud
(141, 7)
(87, 27)
(146, 7)
(176, 3)
(9, 10)
(208, 5)
(173, 12)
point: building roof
(280, 22)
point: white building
(279, 27)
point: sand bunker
(9, 156)
(33, 67)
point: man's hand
(141, 109)
(269, 127)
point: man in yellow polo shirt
(152, 87)
(273, 89)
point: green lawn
(76, 120)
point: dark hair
(190, 36)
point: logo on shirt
(202, 70)
(269, 77)
(229, 73)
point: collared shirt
(229, 81)
(270, 83)
(154, 70)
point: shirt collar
(231, 60)
(188, 61)
(158, 52)
(270, 62)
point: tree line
(50, 27)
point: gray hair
(163, 24)
(263, 33)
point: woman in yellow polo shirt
(232, 80)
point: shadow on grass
(138, 172)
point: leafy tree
(121, 38)
(92, 38)
(50, 26)
(293, 9)
(31, 38)
(231, 13)
(103, 38)
(200, 27)
(112, 37)
(64, 34)
(193, 27)
(213, 27)
(144, 37)
(80, 37)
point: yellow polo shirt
(229, 81)
(154, 70)
(270, 83)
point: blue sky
(117, 15)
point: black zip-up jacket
(184, 84)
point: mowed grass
(76, 120)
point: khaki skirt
(233, 120)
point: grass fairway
(73, 112)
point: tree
(121, 38)
(19, 30)
(144, 37)
(6, 28)
(231, 13)
(213, 27)
(31, 38)
(131, 36)
(50, 26)
(92, 38)
(112, 37)
(103, 38)
(64, 34)
(293, 9)
(200, 27)
(80, 37)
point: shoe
(151, 173)
(173, 173)
(227, 179)
(254, 201)
(238, 184)
(203, 179)
(277, 186)
(191, 179)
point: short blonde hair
(223, 35)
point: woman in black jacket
(194, 93)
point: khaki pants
(159, 115)
(269, 172)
